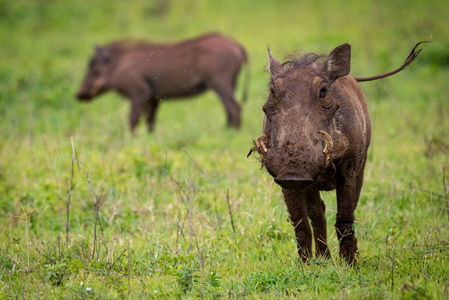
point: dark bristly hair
(295, 59)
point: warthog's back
(178, 69)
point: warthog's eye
(96, 73)
(323, 92)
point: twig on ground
(129, 269)
(129, 259)
(180, 228)
(226, 195)
(204, 173)
(97, 203)
(70, 193)
(441, 235)
(177, 183)
(429, 192)
(230, 210)
(118, 258)
(392, 268)
(48, 258)
(377, 265)
(217, 215)
(84, 255)
(192, 233)
(179, 232)
(189, 212)
(201, 252)
(59, 248)
(190, 222)
(100, 200)
(26, 235)
(445, 192)
(4, 251)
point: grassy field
(182, 212)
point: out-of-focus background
(182, 211)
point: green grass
(167, 229)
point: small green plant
(187, 277)
(55, 273)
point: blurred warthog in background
(146, 73)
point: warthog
(316, 133)
(148, 73)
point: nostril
(82, 96)
(293, 179)
(293, 182)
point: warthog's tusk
(328, 146)
(262, 144)
(329, 143)
(260, 147)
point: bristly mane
(125, 45)
(296, 60)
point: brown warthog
(316, 133)
(147, 73)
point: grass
(162, 199)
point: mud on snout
(296, 166)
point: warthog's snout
(83, 96)
(294, 182)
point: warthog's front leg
(316, 212)
(151, 113)
(297, 209)
(140, 97)
(134, 116)
(347, 198)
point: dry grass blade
(70, 193)
(216, 186)
(98, 201)
(445, 192)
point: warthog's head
(97, 75)
(300, 140)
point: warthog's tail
(412, 56)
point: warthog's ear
(275, 66)
(98, 49)
(103, 52)
(338, 63)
